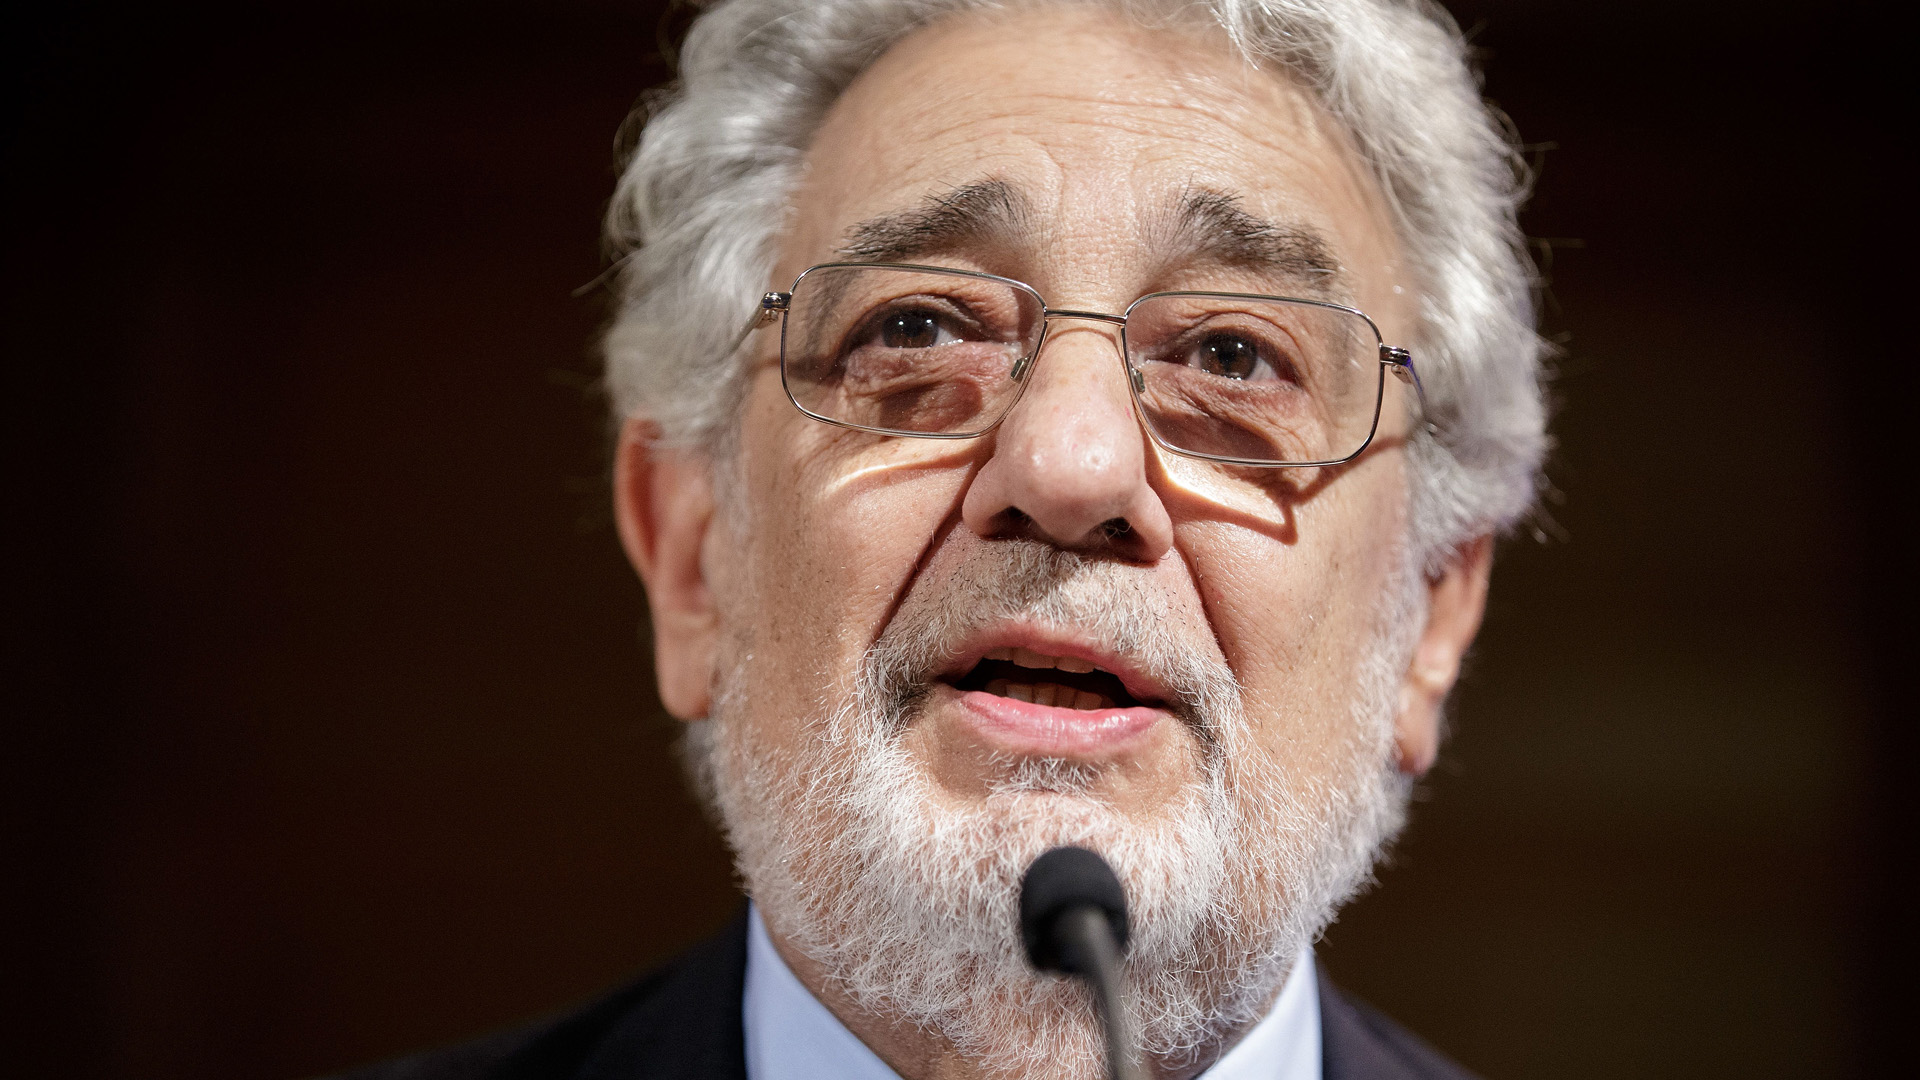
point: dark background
(331, 731)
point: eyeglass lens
(1235, 377)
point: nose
(1069, 463)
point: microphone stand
(1085, 930)
(1073, 917)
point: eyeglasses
(936, 353)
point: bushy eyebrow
(1209, 228)
(984, 212)
(1203, 227)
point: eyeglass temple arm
(1400, 362)
(770, 307)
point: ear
(1456, 600)
(663, 502)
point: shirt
(792, 1036)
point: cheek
(1294, 619)
(1268, 604)
(838, 522)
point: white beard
(906, 900)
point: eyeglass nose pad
(1020, 367)
(1139, 380)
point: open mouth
(1063, 682)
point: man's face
(1057, 619)
(1102, 134)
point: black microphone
(1073, 918)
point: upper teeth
(1027, 658)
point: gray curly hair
(705, 192)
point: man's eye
(913, 330)
(1229, 356)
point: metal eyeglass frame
(1392, 358)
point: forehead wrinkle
(1204, 217)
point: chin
(905, 898)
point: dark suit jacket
(684, 1021)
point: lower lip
(1046, 731)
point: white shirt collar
(792, 1036)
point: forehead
(1099, 125)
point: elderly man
(1112, 459)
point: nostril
(1012, 521)
(1116, 528)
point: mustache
(1116, 606)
